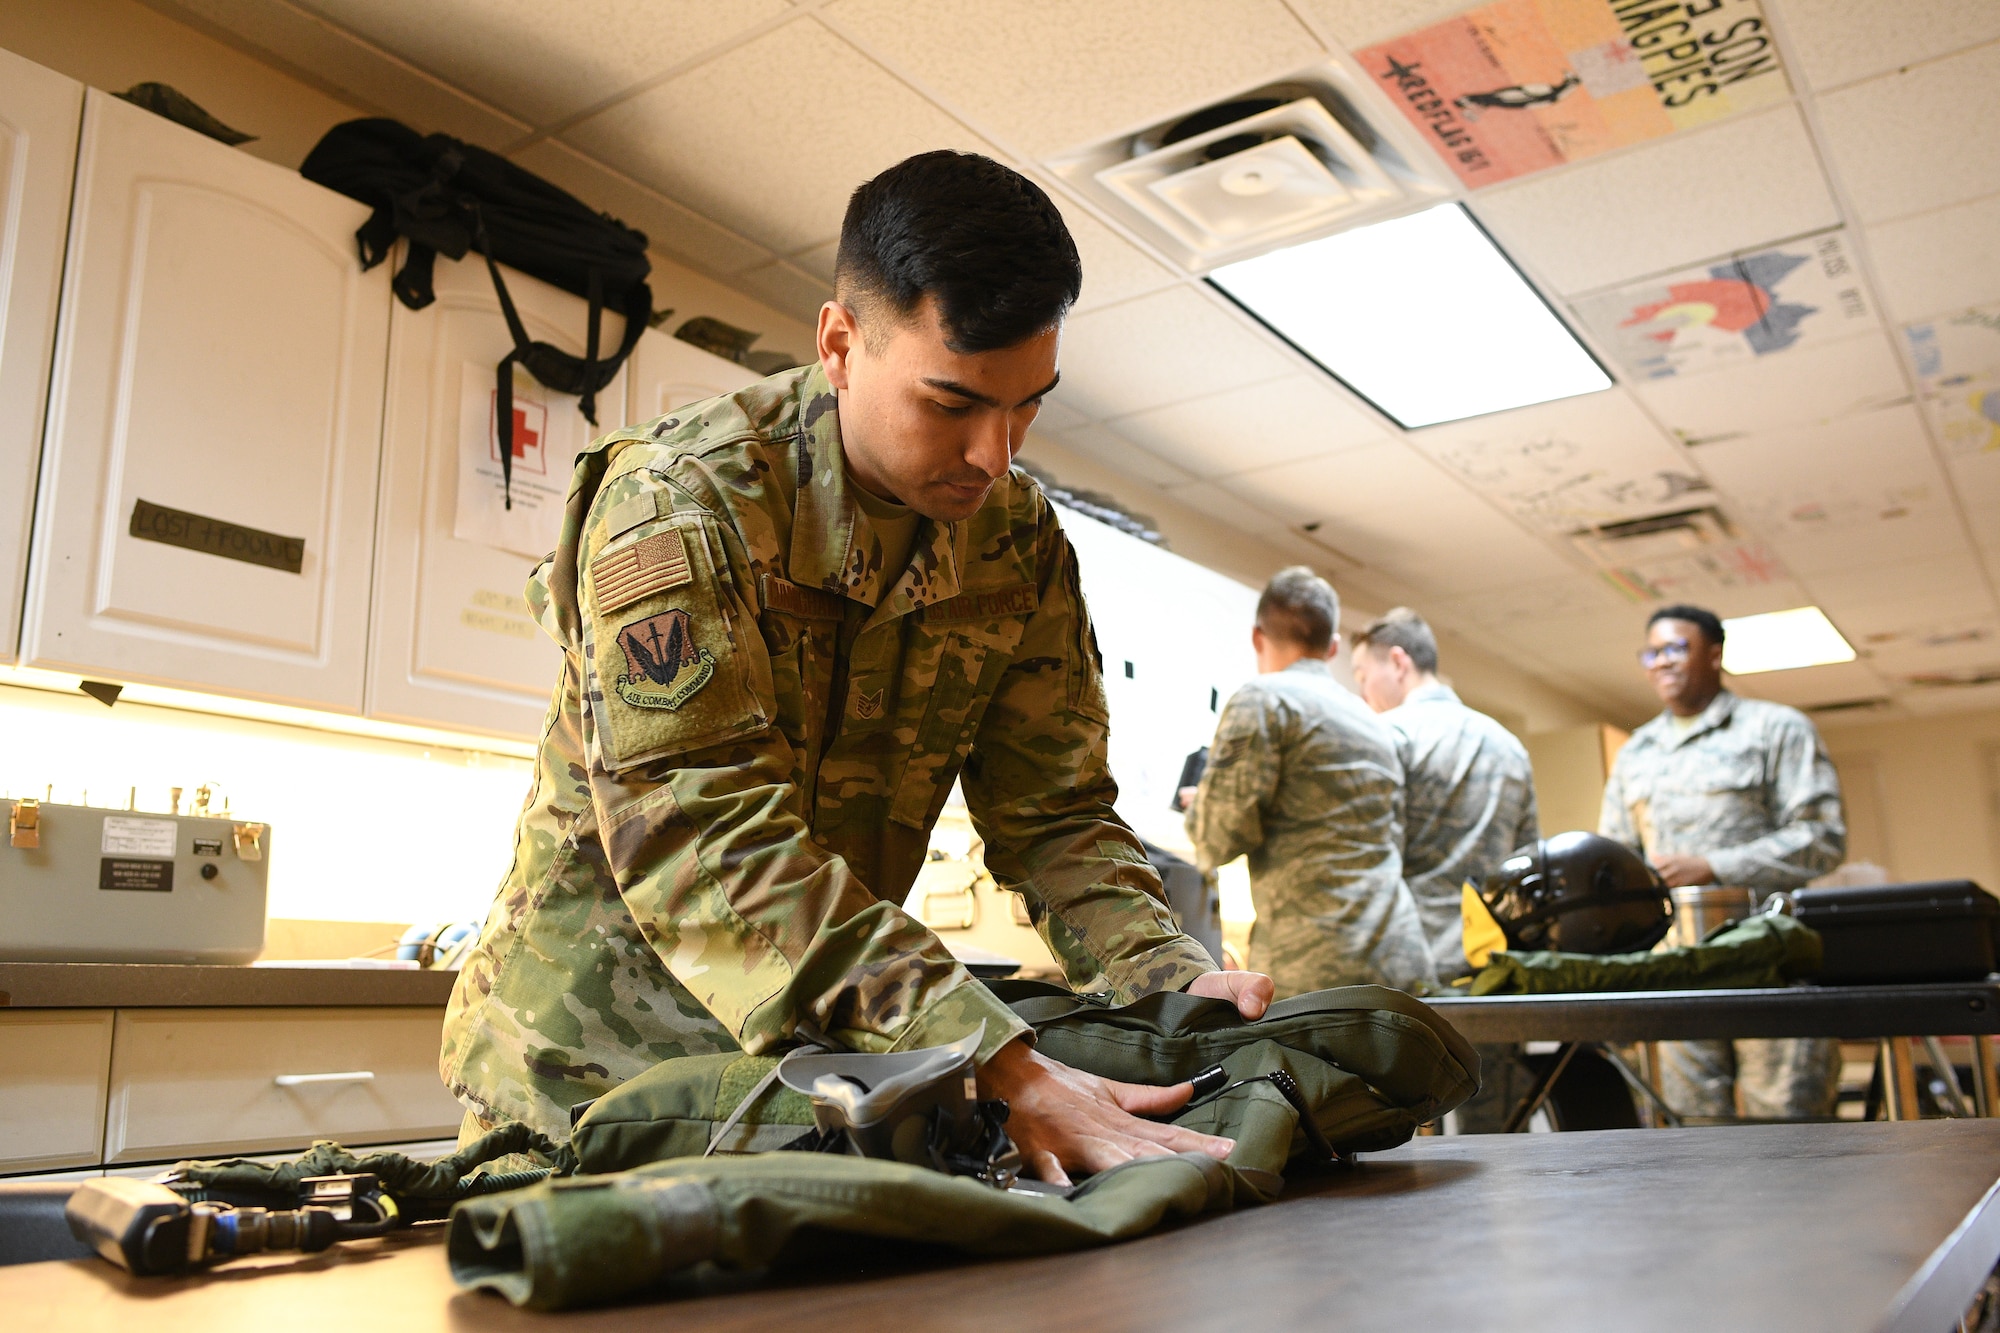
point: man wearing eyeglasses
(1723, 790)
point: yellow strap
(1483, 936)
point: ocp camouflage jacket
(755, 727)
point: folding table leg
(1899, 1080)
(1985, 1095)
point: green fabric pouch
(1762, 951)
(1371, 1064)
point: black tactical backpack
(446, 197)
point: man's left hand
(1251, 992)
(1682, 871)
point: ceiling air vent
(1276, 165)
(1662, 536)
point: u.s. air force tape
(623, 576)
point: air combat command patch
(664, 667)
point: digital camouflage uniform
(755, 726)
(1468, 801)
(1750, 788)
(1305, 781)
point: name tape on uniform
(805, 603)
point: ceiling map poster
(1718, 314)
(1958, 361)
(1521, 85)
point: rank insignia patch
(664, 666)
(867, 706)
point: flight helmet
(1578, 893)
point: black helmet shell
(1578, 893)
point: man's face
(1684, 667)
(1376, 675)
(922, 424)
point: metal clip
(250, 841)
(24, 825)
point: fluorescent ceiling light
(1780, 641)
(1422, 315)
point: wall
(1517, 699)
(1926, 793)
(113, 44)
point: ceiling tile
(1391, 509)
(543, 62)
(819, 260)
(1278, 421)
(1838, 41)
(1056, 417)
(669, 228)
(1816, 382)
(1114, 269)
(1693, 195)
(1934, 262)
(1954, 697)
(1809, 687)
(1358, 23)
(333, 54)
(753, 140)
(1045, 75)
(1971, 642)
(1828, 497)
(1159, 349)
(1900, 142)
(1208, 498)
(1571, 464)
(1904, 596)
(1103, 445)
(788, 290)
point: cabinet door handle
(301, 1080)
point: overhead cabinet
(206, 510)
(40, 111)
(666, 373)
(455, 642)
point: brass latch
(250, 841)
(24, 825)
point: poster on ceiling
(1958, 364)
(549, 432)
(1518, 86)
(1752, 304)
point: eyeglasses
(1673, 650)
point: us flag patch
(623, 576)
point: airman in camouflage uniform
(1468, 789)
(757, 722)
(1305, 781)
(1747, 786)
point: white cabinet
(208, 474)
(209, 1082)
(455, 645)
(666, 373)
(53, 1069)
(39, 114)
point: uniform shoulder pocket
(675, 660)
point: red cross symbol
(523, 437)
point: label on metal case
(125, 836)
(144, 876)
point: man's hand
(1251, 991)
(1063, 1119)
(1185, 797)
(1682, 871)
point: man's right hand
(1063, 1119)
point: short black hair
(1705, 621)
(982, 239)
(1300, 607)
(1400, 627)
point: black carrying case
(1939, 930)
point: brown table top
(1813, 1227)
(189, 985)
